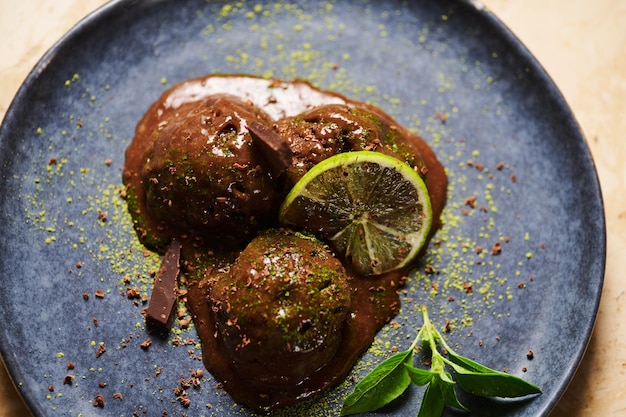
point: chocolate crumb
(68, 379)
(530, 355)
(471, 201)
(146, 343)
(100, 351)
(496, 249)
(446, 327)
(98, 401)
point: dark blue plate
(447, 69)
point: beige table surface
(581, 43)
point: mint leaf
(493, 383)
(432, 402)
(381, 386)
(419, 376)
(446, 385)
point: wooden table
(581, 43)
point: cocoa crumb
(118, 396)
(70, 365)
(441, 117)
(51, 388)
(513, 178)
(102, 384)
(451, 298)
(100, 351)
(496, 249)
(99, 294)
(52, 161)
(85, 296)
(524, 369)
(108, 162)
(470, 201)
(95, 322)
(530, 355)
(98, 401)
(68, 379)
(446, 327)
(467, 287)
(146, 344)
(500, 166)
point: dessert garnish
(394, 375)
(372, 208)
(165, 291)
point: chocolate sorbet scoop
(193, 171)
(280, 308)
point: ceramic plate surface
(449, 70)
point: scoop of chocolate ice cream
(195, 172)
(281, 307)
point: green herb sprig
(393, 376)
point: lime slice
(372, 209)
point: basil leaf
(446, 385)
(419, 376)
(381, 386)
(432, 402)
(493, 383)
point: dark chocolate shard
(164, 291)
(274, 148)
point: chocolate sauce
(220, 109)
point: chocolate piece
(274, 148)
(159, 313)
